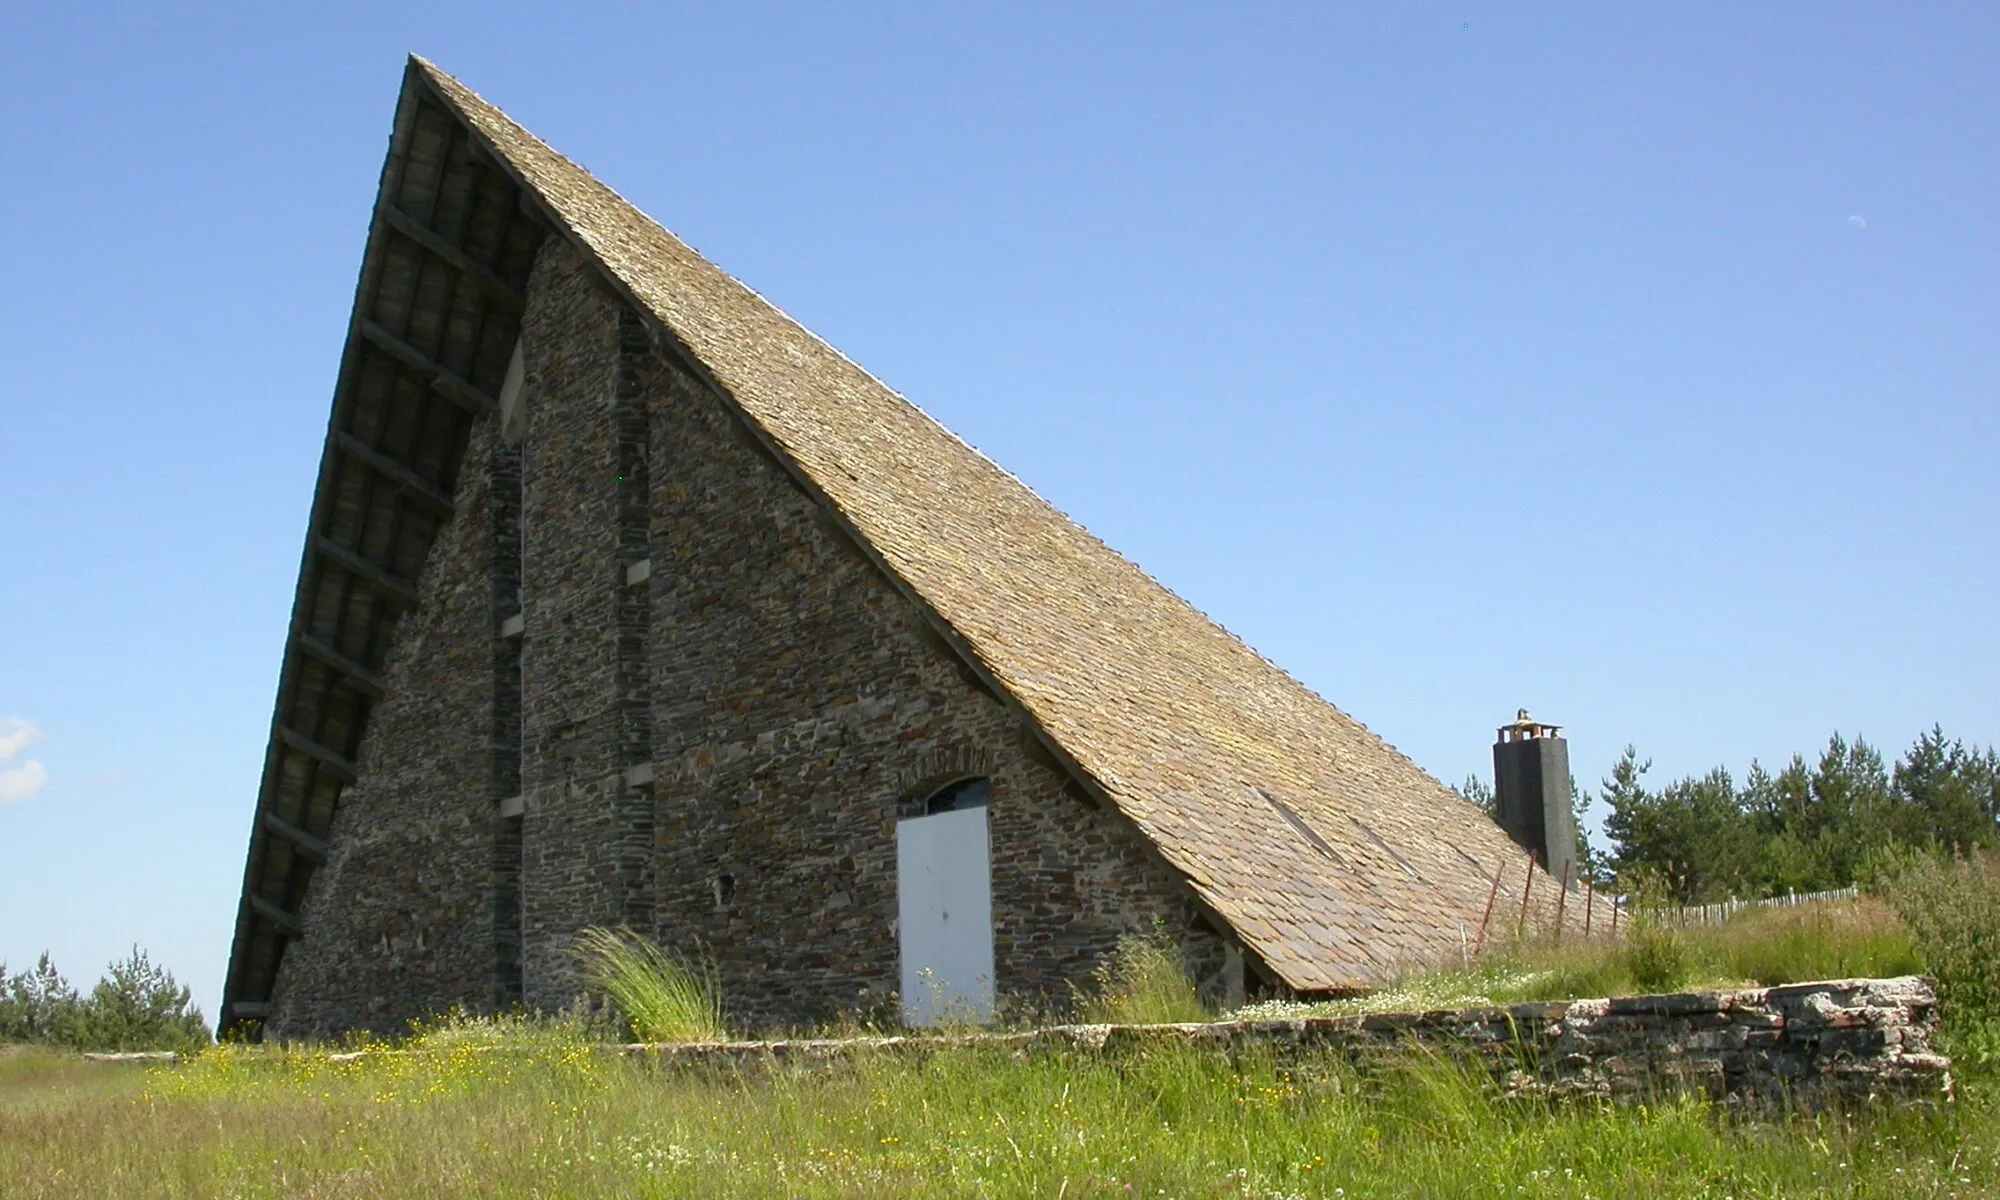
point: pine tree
(138, 1005)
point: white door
(944, 904)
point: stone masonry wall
(1805, 1045)
(789, 702)
(575, 741)
(798, 705)
(399, 921)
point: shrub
(1145, 983)
(1953, 909)
(665, 996)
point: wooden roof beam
(403, 477)
(358, 677)
(401, 590)
(407, 225)
(339, 764)
(285, 923)
(444, 380)
(303, 843)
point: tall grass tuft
(666, 997)
(1656, 956)
(1145, 983)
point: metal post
(1527, 889)
(1499, 869)
(1562, 899)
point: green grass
(1952, 907)
(34, 1077)
(485, 1109)
(1145, 983)
(540, 1108)
(665, 997)
(1862, 938)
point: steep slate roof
(1202, 742)
(1335, 858)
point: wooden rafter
(302, 842)
(286, 923)
(444, 380)
(407, 225)
(396, 588)
(339, 764)
(359, 677)
(402, 476)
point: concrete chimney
(1531, 792)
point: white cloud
(17, 735)
(19, 783)
(1858, 221)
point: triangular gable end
(1333, 857)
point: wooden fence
(1716, 914)
(1580, 909)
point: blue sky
(1637, 367)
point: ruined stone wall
(399, 921)
(1804, 1045)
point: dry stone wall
(1806, 1045)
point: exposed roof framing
(304, 843)
(418, 487)
(436, 315)
(357, 676)
(445, 380)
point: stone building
(628, 601)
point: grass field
(517, 1108)
(555, 1116)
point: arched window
(965, 793)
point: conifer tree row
(138, 1005)
(1807, 827)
